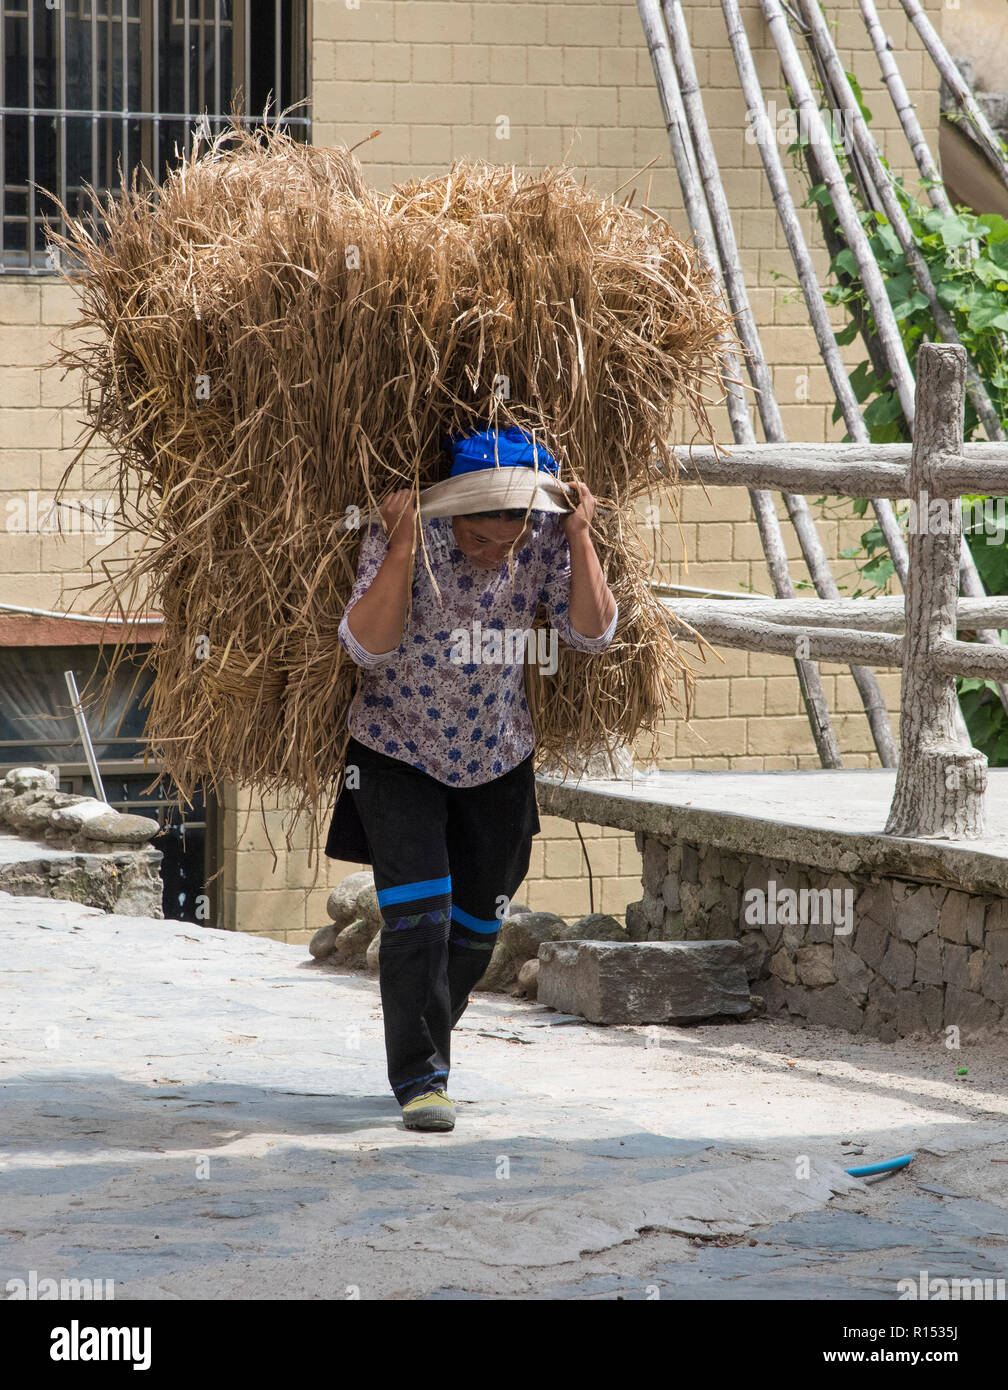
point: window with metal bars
(92, 90)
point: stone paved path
(194, 1113)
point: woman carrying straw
(443, 801)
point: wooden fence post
(940, 783)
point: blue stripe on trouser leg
(489, 835)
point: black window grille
(91, 90)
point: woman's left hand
(579, 520)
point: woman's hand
(399, 515)
(579, 521)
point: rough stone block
(897, 965)
(997, 947)
(783, 967)
(994, 982)
(636, 922)
(956, 968)
(851, 972)
(643, 982)
(919, 913)
(835, 1008)
(815, 966)
(755, 955)
(975, 914)
(689, 862)
(969, 1011)
(952, 926)
(870, 941)
(996, 919)
(670, 892)
(520, 936)
(655, 864)
(929, 960)
(919, 1010)
(876, 904)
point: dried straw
(274, 347)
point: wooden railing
(941, 781)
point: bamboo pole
(905, 109)
(767, 522)
(818, 313)
(965, 99)
(820, 40)
(759, 370)
(871, 277)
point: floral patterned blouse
(462, 721)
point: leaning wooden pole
(820, 40)
(787, 214)
(857, 240)
(940, 784)
(773, 426)
(905, 109)
(764, 512)
(960, 90)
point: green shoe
(432, 1110)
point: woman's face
(488, 543)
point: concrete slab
(196, 1113)
(833, 820)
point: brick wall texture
(528, 84)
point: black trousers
(446, 863)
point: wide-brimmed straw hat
(497, 470)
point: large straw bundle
(278, 347)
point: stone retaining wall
(60, 845)
(882, 955)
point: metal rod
(30, 239)
(277, 67)
(89, 752)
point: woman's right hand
(399, 515)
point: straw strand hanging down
(273, 348)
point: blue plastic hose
(889, 1166)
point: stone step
(643, 981)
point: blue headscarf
(515, 449)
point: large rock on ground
(597, 926)
(528, 978)
(353, 899)
(323, 943)
(522, 934)
(502, 971)
(23, 778)
(117, 829)
(352, 944)
(643, 982)
(371, 958)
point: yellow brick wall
(573, 82)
